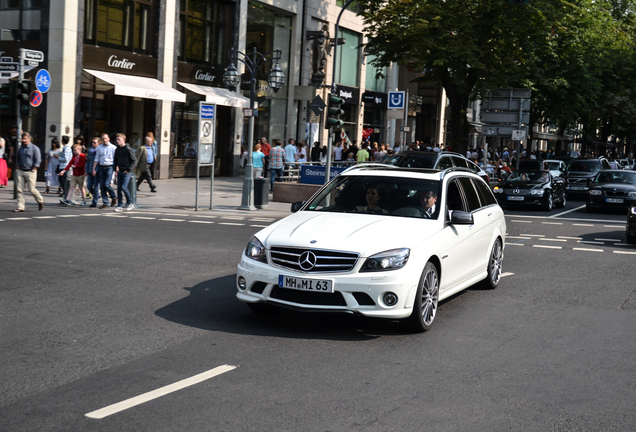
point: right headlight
(384, 261)
(256, 250)
(595, 192)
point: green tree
(465, 46)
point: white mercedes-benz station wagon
(379, 241)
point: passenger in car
(373, 198)
(428, 201)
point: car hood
(575, 174)
(517, 185)
(360, 233)
(614, 186)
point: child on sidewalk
(78, 164)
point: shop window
(348, 59)
(123, 24)
(204, 32)
(372, 81)
(22, 22)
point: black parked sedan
(531, 188)
(612, 189)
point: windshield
(411, 161)
(616, 177)
(585, 166)
(553, 165)
(529, 177)
(391, 196)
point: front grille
(326, 261)
(578, 181)
(307, 297)
(611, 193)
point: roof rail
(452, 169)
(370, 165)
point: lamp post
(231, 79)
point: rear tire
(426, 299)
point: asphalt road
(98, 310)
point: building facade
(140, 66)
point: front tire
(547, 206)
(426, 300)
(564, 200)
(495, 262)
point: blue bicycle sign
(43, 80)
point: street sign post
(205, 152)
(396, 100)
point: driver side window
(454, 197)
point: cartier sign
(204, 76)
(113, 61)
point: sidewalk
(172, 196)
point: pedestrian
(276, 163)
(290, 153)
(145, 161)
(362, 155)
(316, 152)
(337, 154)
(124, 160)
(154, 151)
(27, 163)
(265, 149)
(53, 167)
(92, 183)
(103, 169)
(4, 169)
(301, 153)
(257, 161)
(66, 154)
(380, 153)
(77, 177)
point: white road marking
(517, 237)
(233, 217)
(114, 216)
(569, 238)
(259, 226)
(588, 250)
(607, 240)
(162, 391)
(556, 240)
(547, 247)
(514, 244)
(567, 211)
(625, 252)
(173, 220)
(552, 223)
(532, 235)
(65, 216)
(262, 220)
(90, 214)
(143, 217)
(203, 222)
(591, 242)
(230, 223)
(614, 226)
(587, 225)
(44, 217)
(506, 274)
(521, 221)
(19, 218)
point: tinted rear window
(585, 166)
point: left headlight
(389, 260)
(256, 250)
(631, 194)
(595, 192)
(538, 192)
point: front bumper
(353, 292)
(529, 200)
(600, 202)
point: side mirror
(458, 217)
(296, 206)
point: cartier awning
(135, 86)
(219, 96)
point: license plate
(614, 200)
(302, 284)
(577, 188)
(515, 198)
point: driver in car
(428, 201)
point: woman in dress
(4, 181)
(52, 162)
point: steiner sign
(315, 174)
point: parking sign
(396, 100)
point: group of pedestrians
(90, 170)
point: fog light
(389, 299)
(242, 284)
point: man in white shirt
(290, 153)
(428, 201)
(66, 154)
(103, 169)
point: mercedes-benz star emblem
(516, 191)
(307, 260)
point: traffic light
(23, 95)
(7, 97)
(334, 112)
